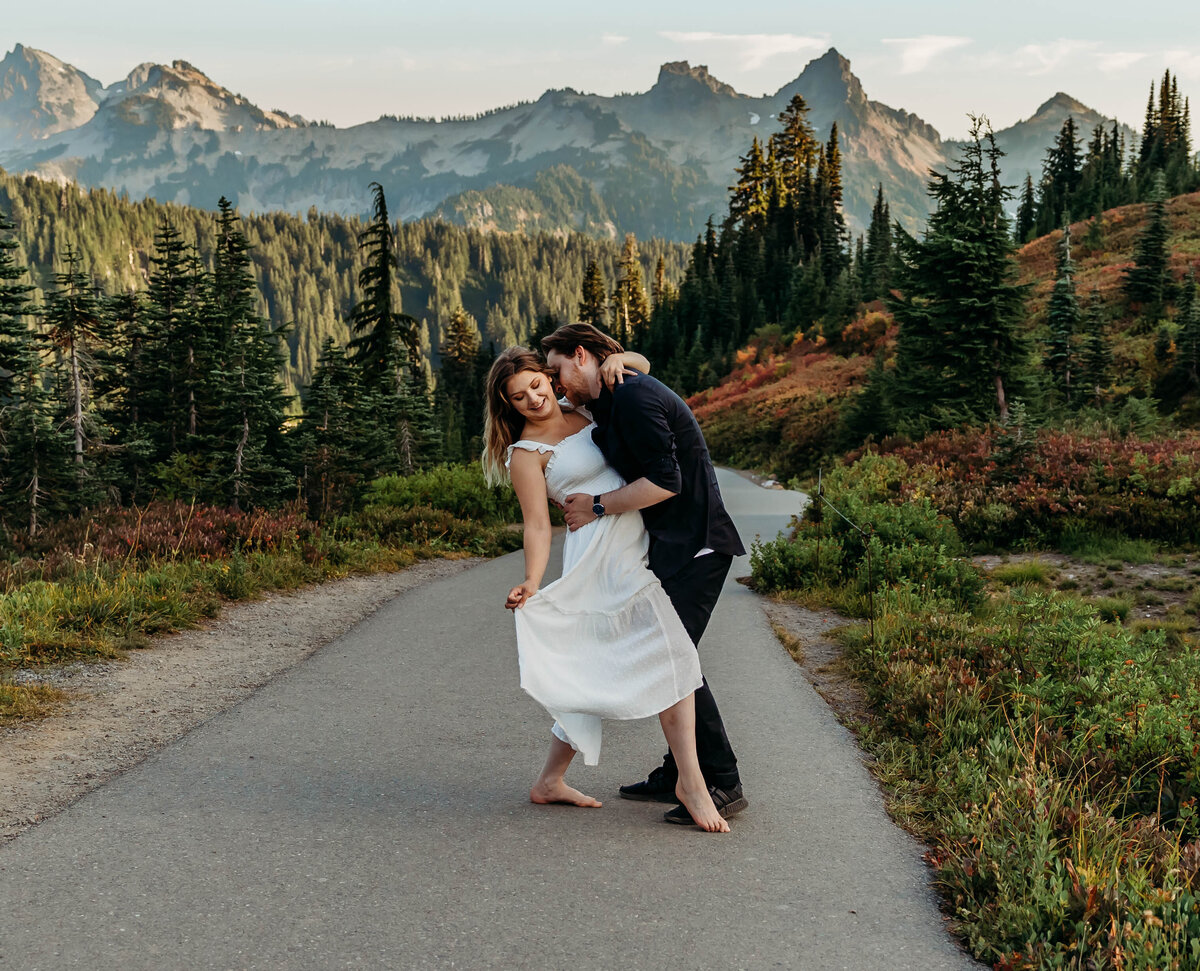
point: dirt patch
(805, 633)
(121, 712)
(1156, 591)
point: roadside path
(369, 809)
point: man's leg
(693, 592)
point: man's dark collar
(601, 408)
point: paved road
(369, 809)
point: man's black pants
(693, 592)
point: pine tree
(1026, 213)
(123, 385)
(1148, 281)
(1187, 344)
(460, 395)
(593, 299)
(959, 350)
(630, 307)
(808, 296)
(1060, 177)
(26, 412)
(748, 199)
(39, 477)
(877, 253)
(661, 290)
(1095, 359)
(169, 310)
(14, 307)
(341, 442)
(830, 221)
(384, 338)
(795, 149)
(1063, 317)
(249, 447)
(73, 320)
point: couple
(615, 636)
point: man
(650, 436)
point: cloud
(1044, 58)
(755, 49)
(1182, 62)
(917, 52)
(1111, 62)
(612, 40)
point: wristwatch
(597, 507)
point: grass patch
(1112, 610)
(20, 702)
(1113, 551)
(1028, 573)
(1172, 584)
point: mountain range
(656, 163)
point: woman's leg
(550, 786)
(679, 725)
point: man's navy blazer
(645, 430)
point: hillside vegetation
(777, 411)
(306, 269)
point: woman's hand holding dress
(519, 594)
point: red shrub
(167, 530)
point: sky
(351, 61)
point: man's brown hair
(570, 336)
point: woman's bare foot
(700, 807)
(545, 792)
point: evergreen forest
(151, 350)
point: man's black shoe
(659, 787)
(727, 801)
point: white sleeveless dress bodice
(603, 641)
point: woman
(604, 640)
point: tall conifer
(73, 320)
(593, 299)
(1063, 318)
(960, 354)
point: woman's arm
(614, 367)
(529, 481)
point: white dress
(603, 641)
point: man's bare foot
(546, 792)
(700, 807)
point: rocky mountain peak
(1062, 104)
(41, 95)
(679, 76)
(827, 78)
(180, 95)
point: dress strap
(530, 446)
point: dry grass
(19, 702)
(1104, 269)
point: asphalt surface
(369, 809)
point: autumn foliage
(780, 409)
(1001, 486)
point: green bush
(908, 541)
(456, 489)
(428, 528)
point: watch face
(598, 508)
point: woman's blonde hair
(502, 423)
